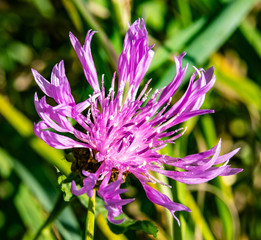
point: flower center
(83, 160)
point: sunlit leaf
(212, 38)
(31, 212)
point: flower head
(122, 130)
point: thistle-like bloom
(123, 129)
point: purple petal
(55, 140)
(75, 191)
(88, 184)
(62, 90)
(135, 58)
(59, 88)
(85, 57)
(45, 86)
(53, 117)
(231, 171)
(111, 195)
(173, 86)
(162, 200)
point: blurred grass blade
(122, 10)
(167, 191)
(6, 164)
(229, 212)
(226, 211)
(57, 209)
(219, 30)
(73, 13)
(45, 7)
(66, 219)
(234, 86)
(175, 43)
(31, 212)
(196, 213)
(212, 38)
(67, 224)
(184, 196)
(252, 34)
(21, 124)
(91, 21)
(185, 12)
(25, 128)
(209, 130)
(104, 228)
(224, 202)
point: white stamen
(143, 164)
(144, 99)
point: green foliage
(65, 186)
(145, 226)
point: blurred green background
(223, 33)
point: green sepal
(65, 185)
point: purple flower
(123, 130)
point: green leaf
(185, 12)
(57, 209)
(66, 218)
(20, 52)
(45, 7)
(153, 13)
(102, 37)
(212, 38)
(65, 185)
(73, 13)
(30, 211)
(176, 43)
(6, 164)
(186, 198)
(25, 128)
(219, 30)
(234, 86)
(224, 203)
(252, 35)
(145, 226)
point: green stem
(89, 230)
